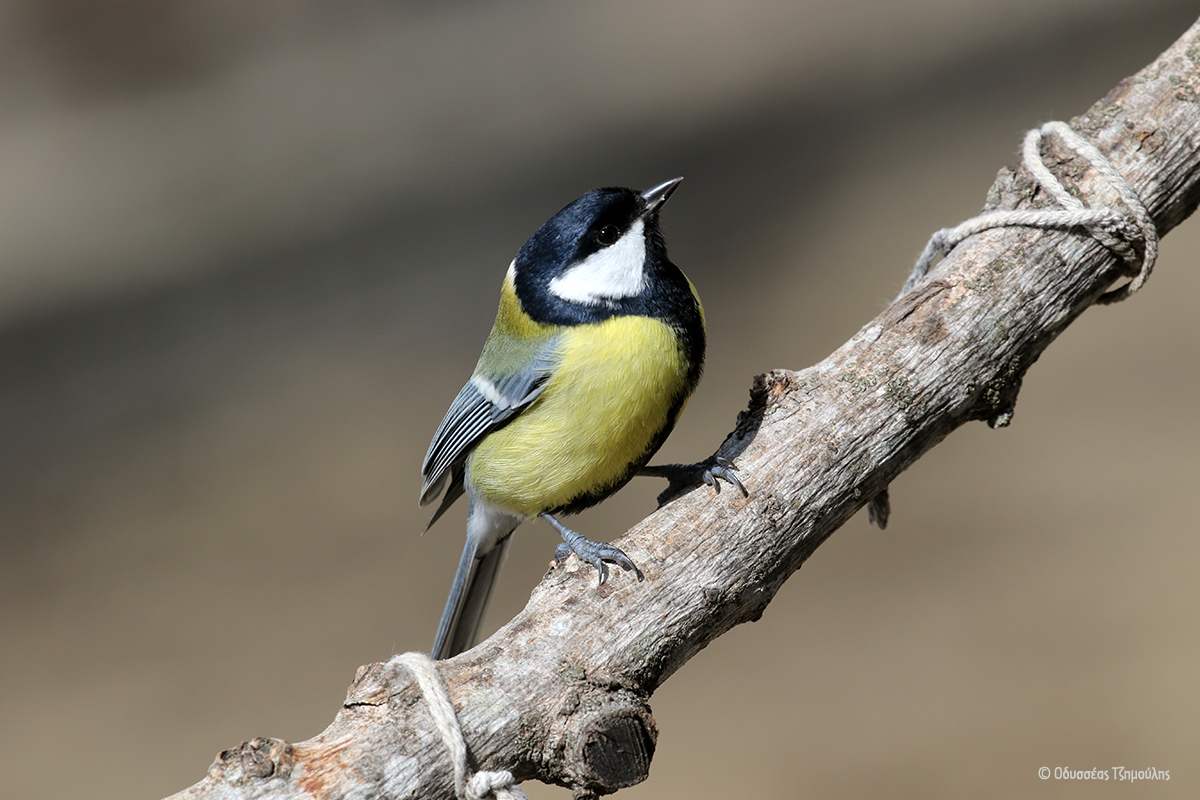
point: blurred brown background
(249, 252)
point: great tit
(598, 343)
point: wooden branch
(560, 693)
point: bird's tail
(477, 572)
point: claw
(682, 477)
(723, 469)
(598, 554)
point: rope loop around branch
(1115, 230)
(499, 785)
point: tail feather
(489, 535)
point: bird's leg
(594, 553)
(682, 477)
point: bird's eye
(608, 234)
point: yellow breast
(614, 391)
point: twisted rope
(481, 785)
(1113, 229)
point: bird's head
(599, 252)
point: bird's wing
(484, 404)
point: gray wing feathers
(471, 415)
(483, 405)
(453, 491)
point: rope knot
(500, 785)
(1116, 231)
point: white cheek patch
(611, 273)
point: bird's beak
(655, 196)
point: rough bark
(560, 693)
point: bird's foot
(681, 477)
(598, 554)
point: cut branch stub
(614, 743)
